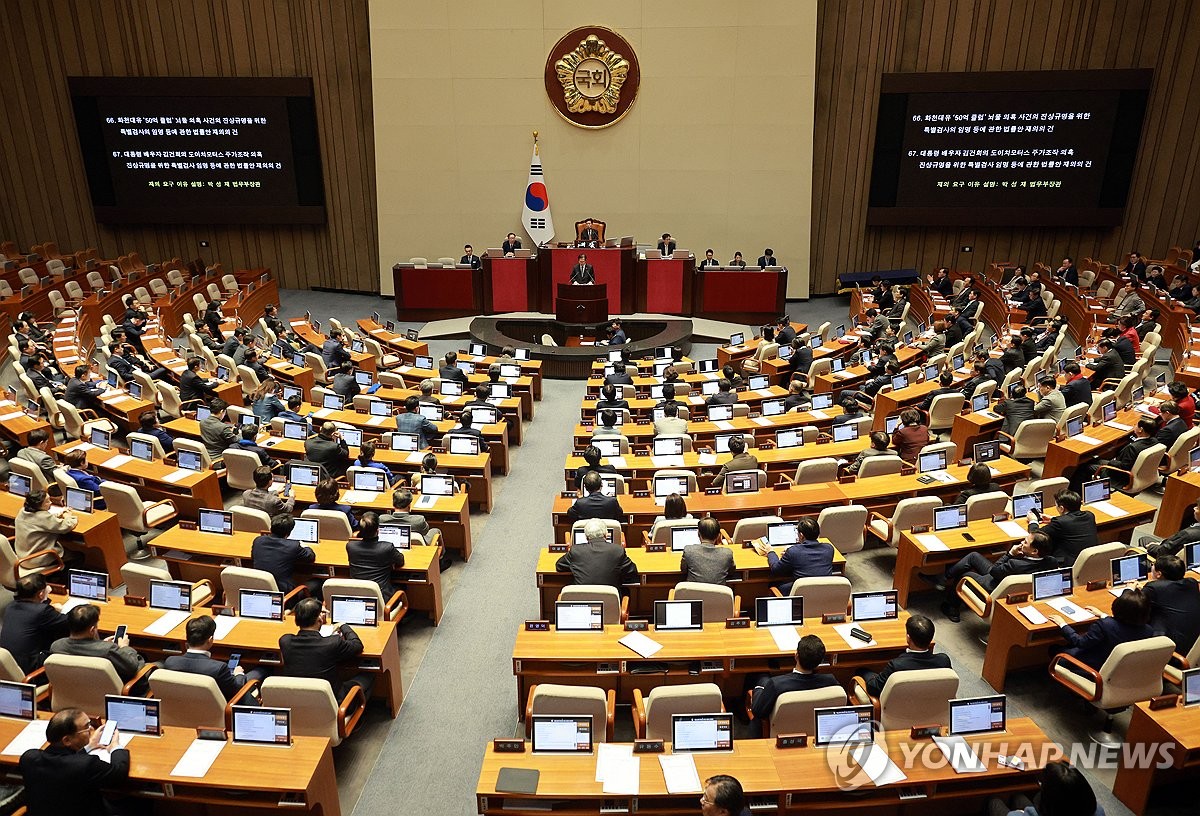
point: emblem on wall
(592, 77)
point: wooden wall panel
(859, 41)
(43, 191)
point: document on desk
(877, 765)
(931, 542)
(724, 424)
(117, 461)
(765, 392)
(818, 414)
(1120, 426)
(762, 421)
(618, 769)
(177, 475)
(425, 502)
(1085, 439)
(1031, 614)
(12, 415)
(415, 457)
(843, 629)
(618, 462)
(667, 461)
(641, 644)
(123, 741)
(608, 756)
(942, 476)
(707, 459)
(696, 399)
(786, 637)
(32, 735)
(679, 772)
(198, 758)
(225, 624)
(376, 421)
(359, 496)
(322, 413)
(71, 603)
(959, 754)
(1011, 528)
(1071, 609)
(167, 622)
(1108, 508)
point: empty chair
(918, 510)
(250, 520)
(752, 527)
(214, 292)
(616, 608)
(239, 468)
(915, 697)
(825, 595)
(933, 447)
(13, 568)
(331, 524)
(13, 673)
(198, 448)
(553, 698)
(662, 530)
(1095, 563)
(394, 608)
(315, 711)
(1031, 440)
(137, 578)
(168, 395)
(652, 714)
(175, 277)
(880, 466)
(192, 700)
(718, 601)
(793, 710)
(32, 472)
(942, 411)
(843, 526)
(981, 601)
(158, 287)
(133, 514)
(983, 506)
(765, 351)
(82, 682)
(1179, 453)
(816, 471)
(78, 422)
(229, 283)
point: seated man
(344, 384)
(83, 640)
(879, 447)
(67, 776)
(32, 623)
(261, 497)
(413, 421)
(371, 559)
(594, 504)
(276, 553)
(198, 658)
(945, 386)
(308, 653)
(1143, 438)
(1072, 531)
(809, 558)
(1015, 408)
(707, 562)
(1077, 390)
(596, 561)
(450, 371)
(249, 443)
(1051, 404)
(740, 461)
(591, 459)
(329, 450)
(37, 452)
(1130, 621)
(1173, 596)
(193, 385)
(724, 395)
(1027, 556)
(606, 428)
(619, 376)
(463, 428)
(81, 392)
(402, 514)
(1173, 544)
(671, 424)
(149, 425)
(292, 414)
(920, 655)
(215, 432)
(609, 399)
(810, 654)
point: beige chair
(765, 351)
(717, 600)
(1179, 453)
(1032, 439)
(1178, 663)
(168, 397)
(918, 510)
(794, 710)
(622, 442)
(32, 472)
(1048, 487)
(196, 447)
(982, 602)
(249, 380)
(982, 506)
(331, 524)
(917, 697)
(394, 608)
(132, 513)
(684, 438)
(137, 578)
(315, 711)
(652, 714)
(78, 422)
(617, 532)
(250, 520)
(235, 579)
(933, 447)
(10, 671)
(816, 471)
(552, 698)
(843, 527)
(883, 465)
(239, 468)
(317, 364)
(1145, 471)
(825, 595)
(13, 568)
(1073, 411)
(193, 700)
(1132, 674)
(942, 411)
(152, 441)
(752, 527)
(616, 608)
(1095, 563)
(82, 682)
(662, 532)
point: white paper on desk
(321, 413)
(225, 624)
(624, 776)
(1011, 528)
(328, 629)
(618, 462)
(818, 414)
(679, 773)
(404, 369)
(198, 758)
(667, 461)
(32, 735)
(707, 459)
(122, 742)
(12, 415)
(177, 475)
(786, 637)
(641, 644)
(958, 753)
(117, 461)
(843, 629)
(696, 399)
(1108, 508)
(1072, 610)
(944, 476)
(931, 542)
(376, 421)
(167, 622)
(724, 424)
(1031, 614)
(712, 375)
(1118, 425)
(765, 392)
(415, 457)
(71, 603)
(762, 420)
(1193, 369)
(876, 764)
(1085, 439)
(425, 502)
(359, 496)
(83, 446)
(608, 755)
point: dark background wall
(861, 39)
(43, 192)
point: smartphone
(120, 633)
(107, 734)
(968, 537)
(234, 659)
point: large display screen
(1041, 148)
(176, 150)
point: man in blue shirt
(412, 421)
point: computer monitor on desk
(664, 486)
(260, 604)
(931, 462)
(822, 401)
(785, 611)
(80, 500)
(561, 734)
(305, 475)
(844, 725)
(305, 530)
(295, 430)
(436, 484)
(578, 616)
(1024, 502)
(717, 413)
(175, 596)
(259, 725)
(398, 535)
(1191, 687)
(355, 610)
(1097, 490)
(134, 715)
(978, 715)
(789, 438)
(845, 432)
(701, 733)
(678, 615)
(1051, 584)
(1129, 569)
(17, 700)
(951, 517)
(878, 605)
(744, 481)
(783, 533)
(683, 537)
(987, 451)
(216, 521)
(90, 586)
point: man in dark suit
(619, 376)
(617, 336)
(334, 351)
(309, 654)
(1027, 556)
(596, 561)
(1147, 323)
(1143, 437)
(1067, 271)
(1176, 543)
(920, 655)
(1071, 532)
(401, 504)
(767, 259)
(469, 257)
(80, 392)
(740, 461)
(1015, 408)
(344, 384)
(810, 654)
(1129, 622)
(589, 234)
(666, 245)
(1136, 266)
(809, 558)
(451, 371)
(591, 458)
(594, 504)
(1108, 366)
(371, 559)
(1174, 602)
(40, 376)
(609, 399)
(134, 326)
(279, 555)
(198, 658)
(193, 386)
(464, 429)
(32, 623)
(1173, 425)
(511, 244)
(583, 273)
(784, 333)
(972, 309)
(66, 777)
(724, 395)
(249, 444)
(709, 260)
(329, 450)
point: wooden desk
(510, 409)
(723, 656)
(856, 376)
(243, 777)
(727, 354)
(522, 387)
(644, 408)
(1175, 512)
(704, 432)
(1177, 732)
(1063, 456)
(17, 424)
(360, 359)
(406, 349)
(196, 555)
(786, 782)
(973, 427)
(99, 532)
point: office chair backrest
(190, 700)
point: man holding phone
(83, 640)
(67, 776)
(198, 658)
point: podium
(581, 304)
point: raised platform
(566, 359)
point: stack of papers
(1011, 528)
(641, 644)
(176, 475)
(959, 754)
(1085, 439)
(618, 462)
(11, 415)
(843, 629)
(198, 758)
(1120, 426)
(765, 392)
(877, 765)
(818, 414)
(724, 425)
(942, 476)
(1031, 614)
(425, 502)
(618, 769)
(117, 461)
(679, 773)
(786, 637)
(32, 735)
(359, 496)
(931, 542)
(667, 461)
(707, 459)
(167, 622)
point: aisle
(463, 694)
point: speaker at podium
(581, 304)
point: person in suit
(235, 346)
(1143, 437)
(591, 462)
(344, 384)
(1015, 408)
(292, 414)
(593, 504)
(327, 492)
(192, 384)
(1130, 621)
(470, 258)
(879, 447)
(334, 351)
(767, 259)
(308, 653)
(1027, 556)
(463, 428)
(1175, 543)
(709, 260)
(810, 654)
(945, 386)
(1136, 268)
(67, 777)
(213, 318)
(670, 424)
(724, 395)
(1062, 789)
(1128, 302)
(740, 461)
(1048, 336)
(1067, 271)
(940, 282)
(1173, 425)
(451, 371)
(1035, 309)
(608, 399)
(412, 421)
(1072, 531)
(402, 514)
(589, 234)
(32, 623)
(1109, 365)
(83, 640)
(801, 360)
(1077, 390)
(41, 377)
(910, 435)
(583, 273)
(261, 497)
(371, 559)
(616, 334)
(1051, 402)
(329, 450)
(707, 562)
(80, 392)
(198, 659)
(620, 375)
(134, 327)
(1174, 602)
(1147, 323)
(738, 261)
(38, 529)
(936, 342)
(784, 333)
(666, 244)
(596, 561)
(809, 558)
(919, 655)
(249, 444)
(215, 432)
(510, 246)
(979, 481)
(607, 426)
(1181, 287)
(77, 469)
(276, 553)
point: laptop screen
(90, 585)
(17, 699)
(844, 725)
(987, 451)
(786, 611)
(405, 441)
(465, 367)
(949, 518)
(450, 388)
(792, 438)
(682, 537)
(579, 616)
(846, 432)
(701, 732)
(135, 390)
(482, 415)
(934, 460)
(306, 530)
(261, 604)
(1110, 411)
(351, 436)
(509, 370)
(1193, 555)
(352, 609)
(561, 734)
(379, 408)
(295, 430)
(372, 480)
(501, 390)
(822, 401)
(737, 338)
(100, 438)
(332, 402)
(979, 402)
(957, 361)
(720, 412)
(741, 482)
(1024, 502)
(783, 533)
(707, 366)
(890, 424)
(869, 606)
(678, 615)
(1097, 490)
(141, 449)
(258, 725)
(608, 485)
(722, 441)
(430, 410)
(663, 353)
(1128, 569)
(522, 354)
(79, 499)
(759, 381)
(709, 388)
(437, 485)
(477, 349)
(173, 595)
(773, 407)
(899, 381)
(398, 535)
(190, 460)
(136, 715)
(666, 485)
(578, 536)
(1191, 687)
(1075, 426)
(608, 447)
(306, 475)
(216, 521)
(423, 362)
(1051, 584)
(977, 715)
(463, 445)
